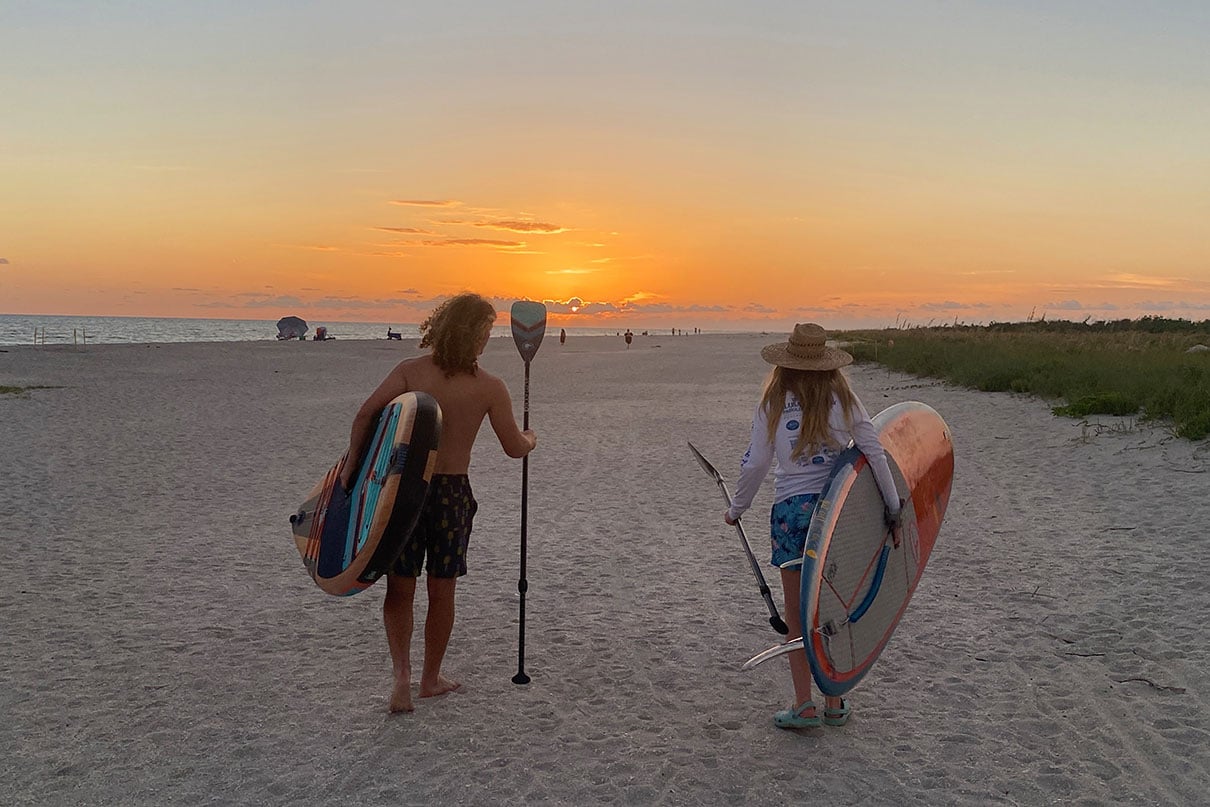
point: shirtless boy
(457, 332)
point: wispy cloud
(570, 271)
(536, 227)
(256, 300)
(426, 202)
(3, 261)
(1132, 281)
(473, 242)
(312, 247)
(407, 230)
(951, 305)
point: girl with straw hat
(806, 416)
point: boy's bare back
(465, 399)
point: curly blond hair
(454, 329)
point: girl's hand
(727, 517)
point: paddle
(774, 618)
(529, 325)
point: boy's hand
(533, 438)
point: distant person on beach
(629, 338)
(562, 336)
(457, 332)
(806, 416)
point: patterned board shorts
(788, 524)
(443, 531)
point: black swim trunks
(443, 531)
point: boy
(457, 332)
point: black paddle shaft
(522, 583)
(775, 620)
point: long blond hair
(814, 391)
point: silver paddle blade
(529, 326)
(705, 463)
(772, 652)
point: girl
(805, 418)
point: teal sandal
(793, 717)
(836, 717)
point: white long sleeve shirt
(808, 473)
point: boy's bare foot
(401, 698)
(442, 686)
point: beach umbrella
(291, 328)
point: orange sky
(667, 167)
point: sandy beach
(161, 642)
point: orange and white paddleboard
(856, 579)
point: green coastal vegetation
(1140, 367)
(6, 390)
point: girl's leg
(800, 670)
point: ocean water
(29, 329)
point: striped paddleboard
(348, 539)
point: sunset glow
(694, 165)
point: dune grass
(6, 390)
(1085, 370)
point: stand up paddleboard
(348, 539)
(856, 579)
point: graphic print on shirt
(824, 456)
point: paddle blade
(529, 326)
(705, 463)
(772, 652)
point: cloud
(950, 305)
(536, 227)
(313, 247)
(570, 271)
(1066, 305)
(411, 230)
(260, 300)
(473, 242)
(3, 261)
(572, 306)
(757, 308)
(426, 202)
(1172, 305)
(1132, 281)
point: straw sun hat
(806, 350)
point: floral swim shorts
(788, 524)
(443, 531)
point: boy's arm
(516, 443)
(394, 385)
